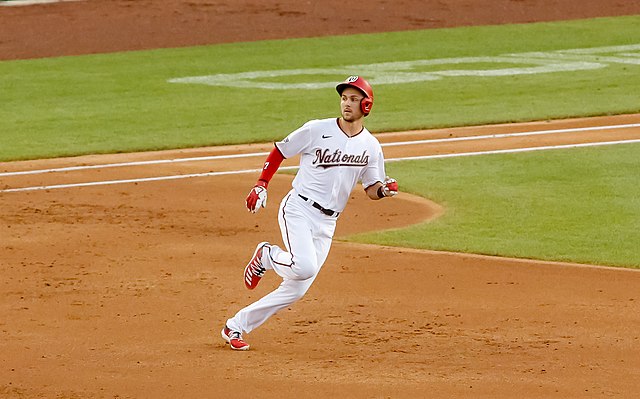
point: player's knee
(305, 274)
(305, 269)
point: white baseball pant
(307, 234)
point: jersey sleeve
(296, 142)
(374, 171)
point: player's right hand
(257, 198)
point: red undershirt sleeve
(271, 165)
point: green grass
(578, 205)
(573, 205)
(122, 102)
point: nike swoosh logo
(326, 137)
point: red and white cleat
(234, 339)
(254, 270)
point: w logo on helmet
(352, 78)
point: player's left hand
(389, 187)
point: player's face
(350, 104)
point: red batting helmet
(362, 85)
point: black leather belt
(326, 211)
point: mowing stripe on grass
(529, 63)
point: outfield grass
(123, 102)
(579, 205)
(575, 205)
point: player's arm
(257, 197)
(375, 187)
(379, 190)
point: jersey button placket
(345, 147)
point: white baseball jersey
(332, 163)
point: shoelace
(257, 269)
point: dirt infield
(120, 290)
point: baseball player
(335, 154)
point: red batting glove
(390, 187)
(257, 197)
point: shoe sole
(261, 245)
(228, 341)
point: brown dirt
(120, 290)
(97, 26)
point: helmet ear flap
(365, 105)
(359, 83)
